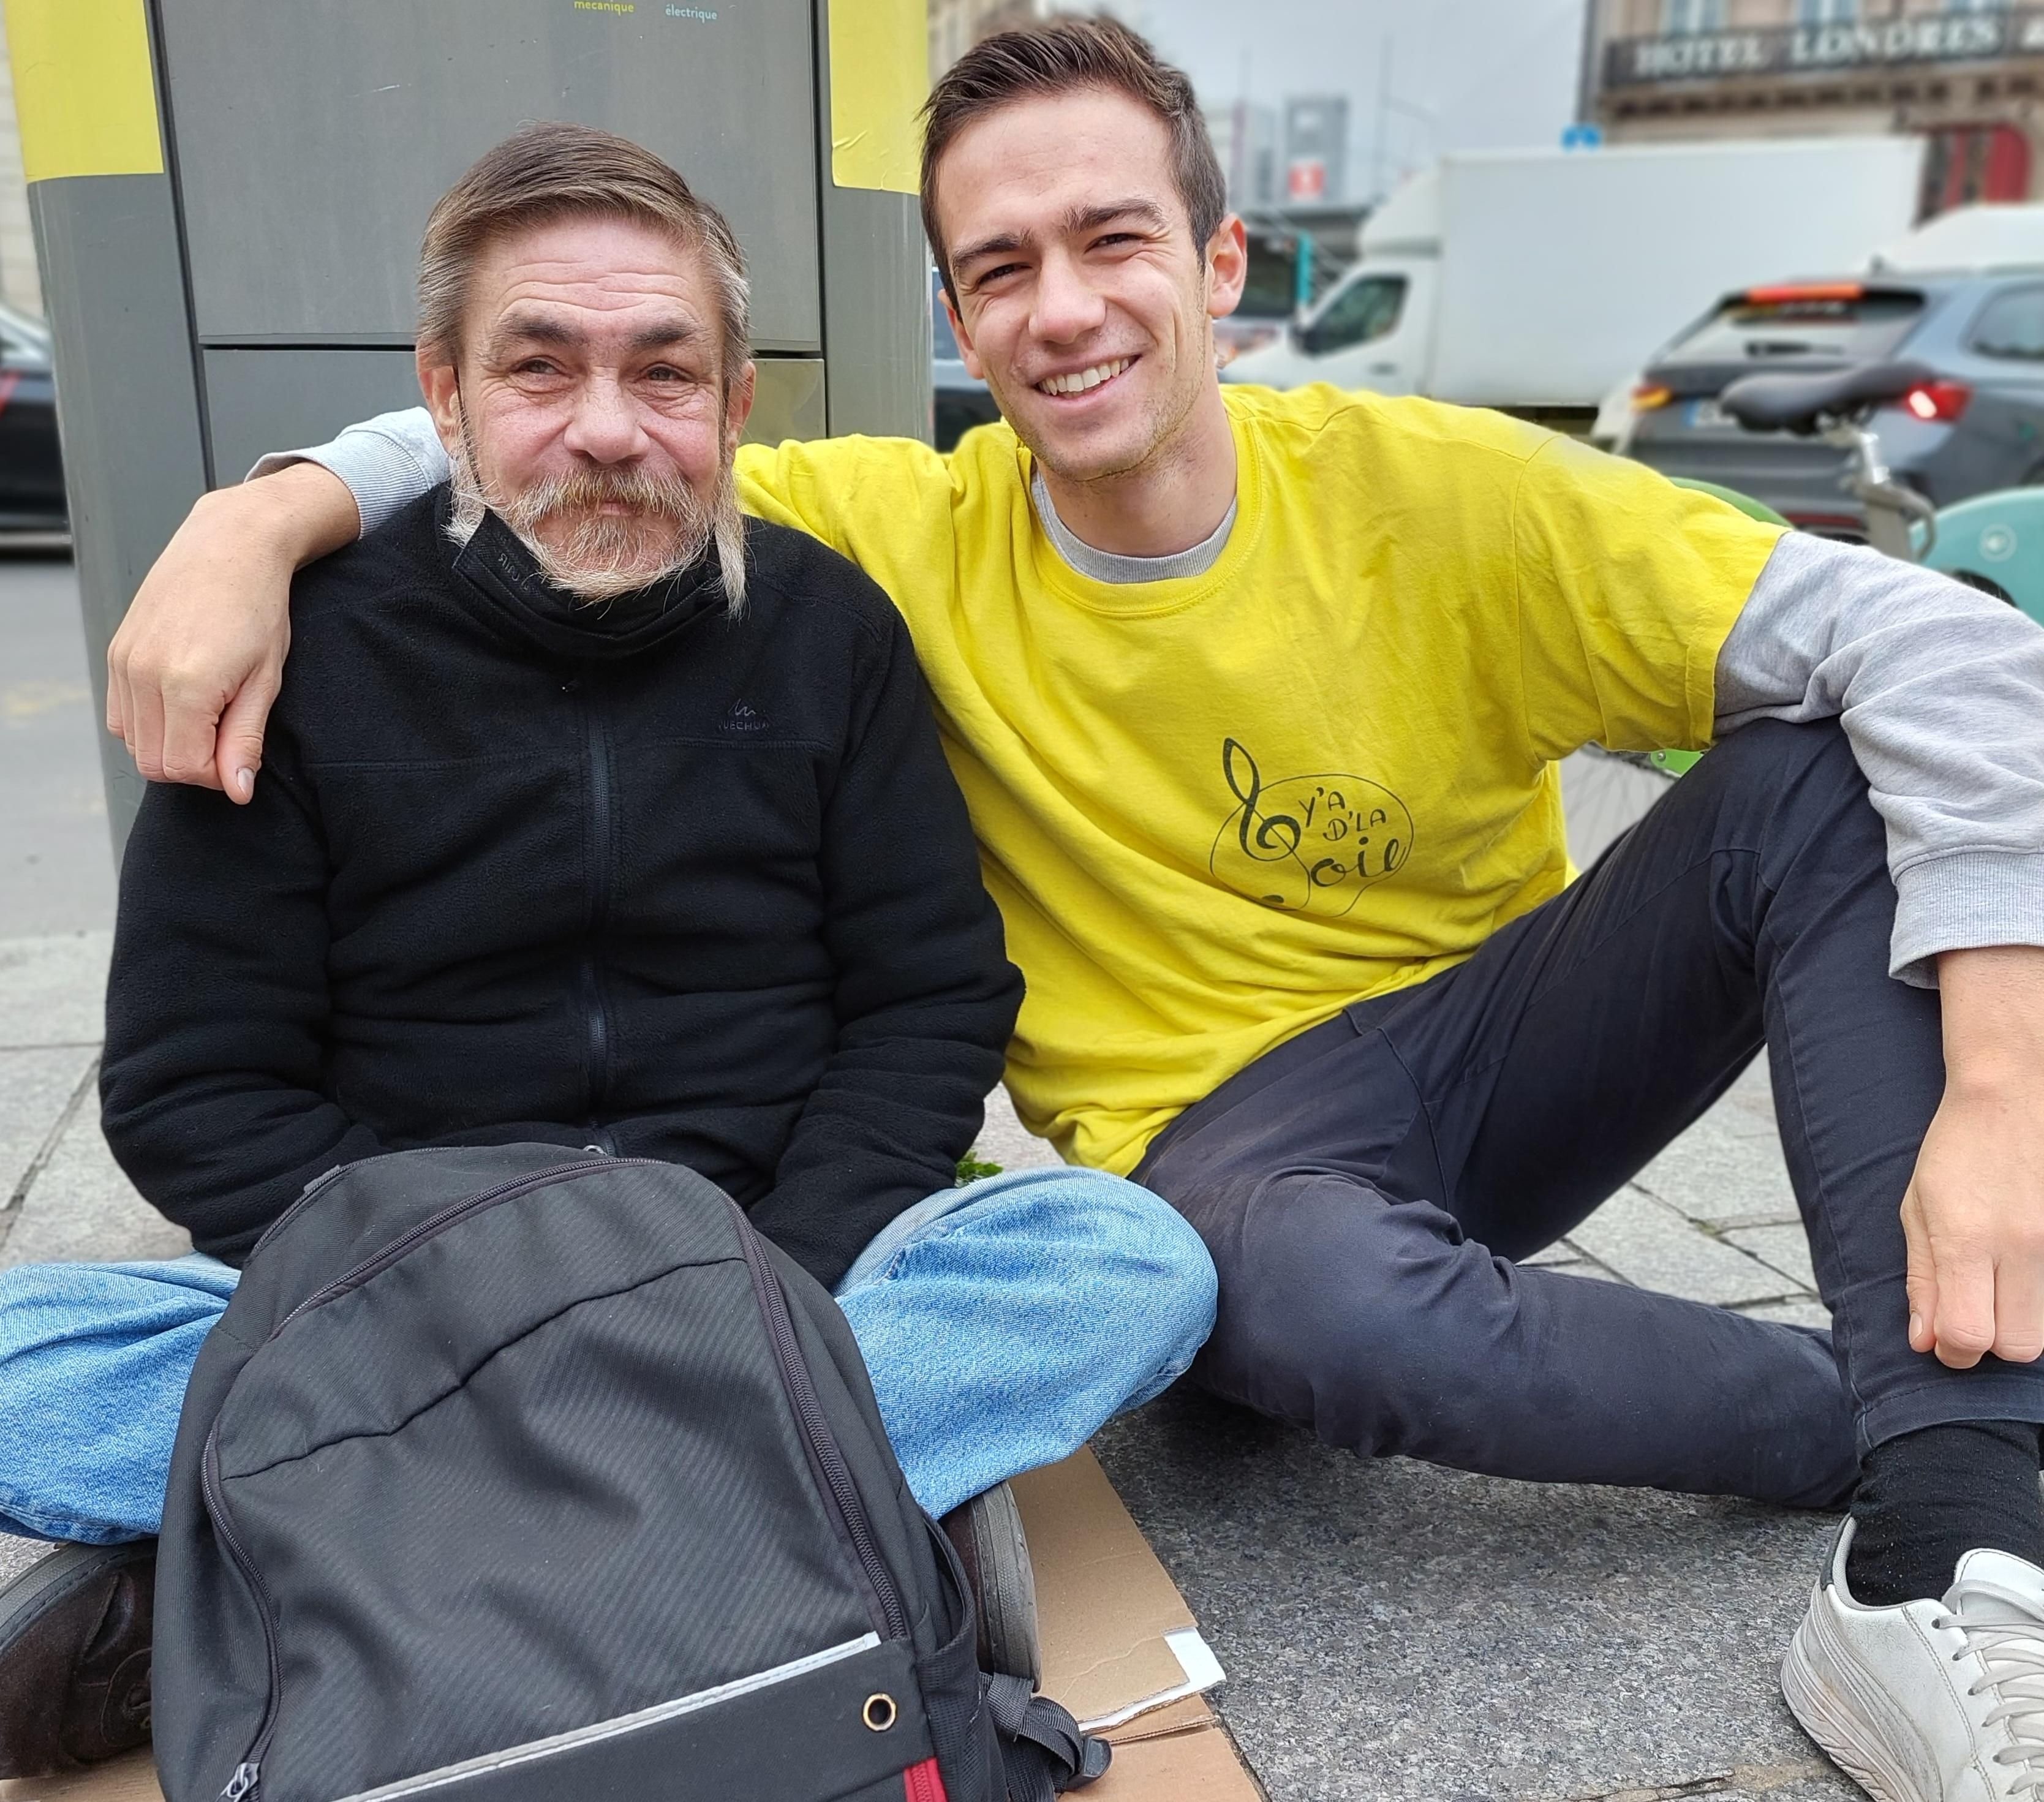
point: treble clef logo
(1266, 837)
(1309, 842)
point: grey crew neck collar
(1111, 566)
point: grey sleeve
(387, 462)
(1940, 690)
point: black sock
(1928, 1498)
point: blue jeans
(1003, 1323)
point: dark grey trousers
(1364, 1187)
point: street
(56, 867)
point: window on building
(1965, 163)
(1683, 17)
(2012, 325)
(1827, 12)
(1976, 5)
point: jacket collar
(499, 579)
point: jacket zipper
(843, 1492)
(601, 852)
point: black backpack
(518, 1474)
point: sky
(1466, 74)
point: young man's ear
(737, 397)
(1227, 266)
(440, 382)
(967, 355)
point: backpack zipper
(248, 1773)
(435, 1225)
(843, 1493)
(325, 1181)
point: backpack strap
(1044, 1750)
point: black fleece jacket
(636, 875)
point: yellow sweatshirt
(1216, 810)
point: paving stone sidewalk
(1391, 1631)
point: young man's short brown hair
(1062, 55)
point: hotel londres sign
(1951, 37)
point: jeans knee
(1168, 1288)
(1158, 1249)
(1347, 1313)
(1126, 1256)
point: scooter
(1994, 542)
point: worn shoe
(987, 1535)
(74, 1659)
(1932, 1701)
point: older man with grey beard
(598, 817)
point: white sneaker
(1937, 1701)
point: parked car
(1975, 423)
(962, 400)
(31, 488)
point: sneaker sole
(1008, 1587)
(50, 1581)
(1832, 1706)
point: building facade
(1245, 140)
(1317, 149)
(1968, 75)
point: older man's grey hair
(550, 171)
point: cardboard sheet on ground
(1120, 1650)
(1120, 1647)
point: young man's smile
(1076, 383)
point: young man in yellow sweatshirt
(1256, 700)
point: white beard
(603, 555)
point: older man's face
(590, 406)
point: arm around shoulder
(196, 664)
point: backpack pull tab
(242, 1784)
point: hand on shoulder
(199, 660)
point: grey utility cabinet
(248, 286)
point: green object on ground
(972, 1168)
(1675, 762)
